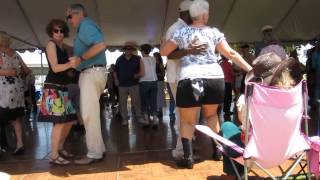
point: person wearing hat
(268, 69)
(12, 102)
(89, 54)
(172, 70)
(269, 41)
(128, 71)
(201, 79)
(267, 35)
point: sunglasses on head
(58, 30)
(69, 17)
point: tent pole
(225, 21)
(163, 30)
(23, 41)
(276, 27)
(28, 21)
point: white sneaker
(155, 121)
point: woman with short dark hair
(56, 107)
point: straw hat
(129, 45)
(266, 28)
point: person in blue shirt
(89, 53)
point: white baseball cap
(266, 27)
(184, 5)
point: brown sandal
(59, 161)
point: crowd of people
(202, 73)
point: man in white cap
(173, 65)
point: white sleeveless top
(149, 69)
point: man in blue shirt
(89, 52)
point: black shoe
(187, 161)
(18, 151)
(196, 158)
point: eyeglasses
(58, 30)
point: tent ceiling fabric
(146, 21)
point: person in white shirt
(173, 67)
(201, 79)
(148, 87)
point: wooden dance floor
(132, 153)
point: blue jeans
(172, 104)
(148, 94)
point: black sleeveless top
(64, 77)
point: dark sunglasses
(58, 30)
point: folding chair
(273, 129)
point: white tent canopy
(146, 21)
